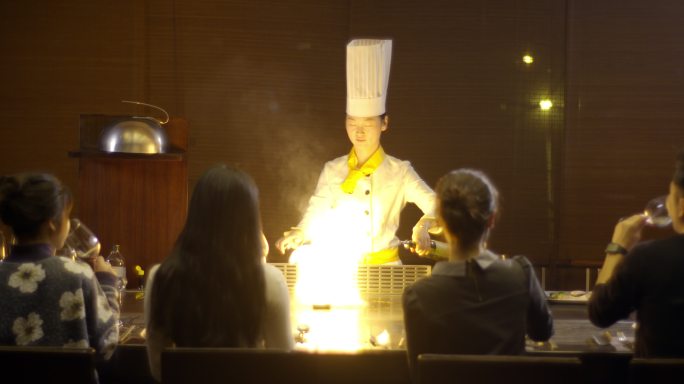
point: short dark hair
(28, 200)
(466, 202)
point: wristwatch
(615, 248)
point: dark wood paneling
(624, 117)
(140, 204)
(138, 201)
(262, 84)
(61, 59)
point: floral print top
(48, 300)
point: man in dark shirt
(647, 278)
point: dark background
(262, 85)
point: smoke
(301, 154)
(279, 126)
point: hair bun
(467, 200)
(27, 200)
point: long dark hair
(467, 201)
(210, 290)
(678, 177)
(28, 200)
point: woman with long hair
(48, 300)
(477, 302)
(215, 289)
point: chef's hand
(421, 238)
(628, 231)
(291, 239)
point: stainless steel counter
(378, 325)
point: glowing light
(327, 271)
(327, 267)
(383, 338)
(527, 59)
(334, 330)
(545, 104)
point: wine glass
(7, 240)
(3, 247)
(81, 243)
(656, 211)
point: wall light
(545, 104)
(527, 59)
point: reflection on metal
(3, 247)
(134, 136)
(388, 279)
(371, 279)
(6, 243)
(375, 324)
(334, 330)
(381, 340)
(139, 134)
(324, 278)
(166, 119)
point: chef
(367, 185)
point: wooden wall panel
(262, 84)
(136, 203)
(61, 59)
(624, 117)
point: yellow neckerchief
(355, 172)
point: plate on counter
(579, 297)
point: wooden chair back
(496, 369)
(656, 370)
(237, 365)
(48, 364)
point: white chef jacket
(375, 206)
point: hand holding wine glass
(628, 231)
(81, 243)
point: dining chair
(497, 369)
(656, 370)
(48, 364)
(248, 365)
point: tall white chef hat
(368, 68)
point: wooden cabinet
(138, 201)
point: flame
(327, 267)
(335, 330)
(324, 279)
(326, 275)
